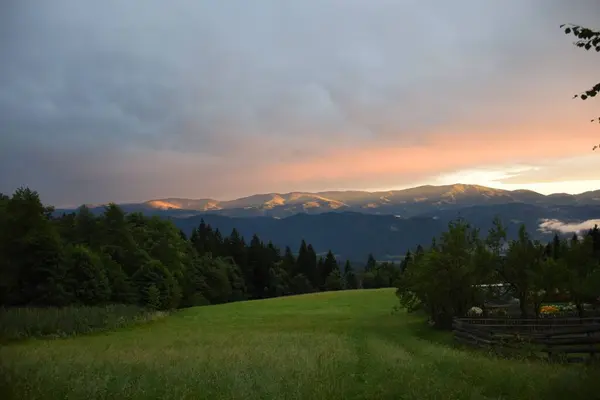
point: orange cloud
(441, 153)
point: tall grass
(28, 322)
(333, 345)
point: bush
(27, 322)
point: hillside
(335, 345)
(406, 203)
(354, 235)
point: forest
(118, 258)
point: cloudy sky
(132, 100)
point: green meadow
(332, 345)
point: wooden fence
(570, 339)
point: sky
(129, 101)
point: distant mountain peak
(406, 202)
(183, 204)
(163, 204)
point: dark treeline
(454, 274)
(115, 257)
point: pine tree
(595, 235)
(289, 261)
(302, 261)
(406, 261)
(556, 247)
(321, 272)
(312, 271)
(202, 238)
(258, 272)
(419, 250)
(329, 265)
(216, 244)
(273, 252)
(304, 264)
(235, 247)
(349, 276)
(371, 263)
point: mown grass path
(340, 345)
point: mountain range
(387, 224)
(404, 203)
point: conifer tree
(235, 247)
(312, 271)
(329, 265)
(289, 261)
(349, 276)
(371, 263)
(258, 268)
(302, 261)
(405, 261)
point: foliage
(461, 271)
(119, 258)
(334, 280)
(379, 275)
(524, 268)
(588, 39)
(87, 276)
(443, 280)
(350, 279)
(581, 271)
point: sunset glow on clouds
(127, 101)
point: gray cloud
(128, 100)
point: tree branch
(588, 40)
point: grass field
(336, 345)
